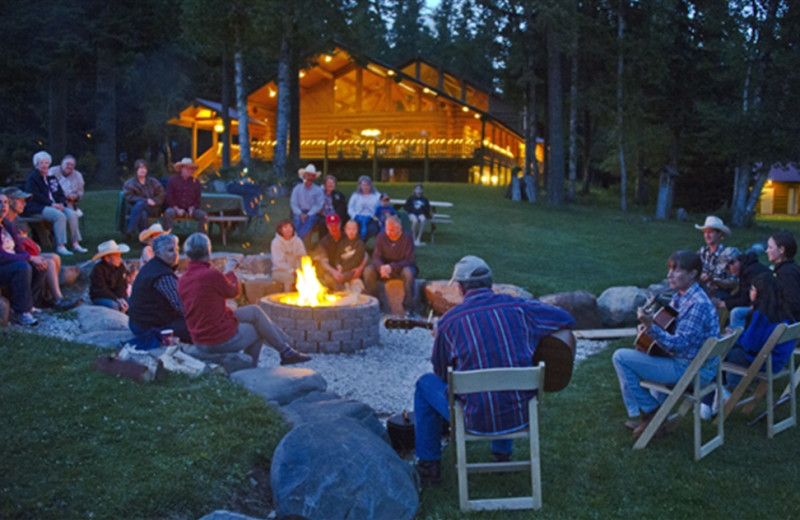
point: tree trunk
(57, 97)
(529, 72)
(282, 111)
(642, 195)
(587, 151)
(666, 183)
(555, 170)
(294, 112)
(573, 120)
(106, 118)
(241, 102)
(623, 176)
(226, 105)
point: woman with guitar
(695, 322)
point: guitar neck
(407, 324)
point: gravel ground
(381, 376)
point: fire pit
(318, 321)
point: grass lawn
(79, 444)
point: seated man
(306, 202)
(486, 330)
(214, 327)
(52, 297)
(71, 181)
(716, 278)
(20, 273)
(184, 196)
(393, 258)
(145, 195)
(154, 302)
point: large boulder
(69, 274)
(256, 286)
(257, 264)
(5, 311)
(511, 290)
(280, 385)
(582, 305)
(325, 406)
(340, 470)
(443, 296)
(222, 514)
(618, 305)
(104, 338)
(93, 318)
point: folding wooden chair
(690, 389)
(781, 334)
(497, 380)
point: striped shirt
(491, 330)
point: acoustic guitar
(557, 351)
(664, 317)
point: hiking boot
(63, 304)
(25, 319)
(429, 471)
(646, 418)
(293, 357)
(501, 457)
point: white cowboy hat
(713, 222)
(152, 232)
(186, 162)
(308, 169)
(108, 247)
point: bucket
(400, 428)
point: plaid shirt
(696, 322)
(491, 330)
(715, 264)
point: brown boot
(646, 418)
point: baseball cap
(15, 193)
(332, 220)
(385, 196)
(470, 268)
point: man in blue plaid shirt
(486, 330)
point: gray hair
(366, 179)
(197, 247)
(164, 246)
(68, 157)
(38, 156)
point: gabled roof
(784, 173)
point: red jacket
(203, 291)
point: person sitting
(419, 210)
(362, 206)
(184, 196)
(745, 268)
(48, 200)
(325, 254)
(486, 330)
(393, 258)
(154, 301)
(286, 251)
(21, 275)
(351, 258)
(781, 248)
(334, 201)
(214, 327)
(306, 202)
(385, 210)
(145, 195)
(51, 296)
(146, 237)
(716, 277)
(696, 321)
(108, 283)
(71, 181)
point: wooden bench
(225, 223)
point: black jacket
(41, 190)
(148, 307)
(788, 273)
(749, 268)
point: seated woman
(697, 321)
(214, 327)
(781, 248)
(362, 206)
(419, 210)
(286, 250)
(108, 283)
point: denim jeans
(18, 276)
(304, 228)
(430, 407)
(107, 302)
(408, 275)
(140, 212)
(632, 366)
(738, 317)
(369, 227)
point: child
(419, 210)
(109, 279)
(385, 210)
(351, 257)
(146, 237)
(286, 250)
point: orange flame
(310, 292)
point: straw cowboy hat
(186, 162)
(152, 232)
(713, 222)
(310, 169)
(109, 247)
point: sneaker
(429, 471)
(64, 304)
(725, 396)
(293, 357)
(501, 457)
(79, 249)
(63, 251)
(26, 319)
(705, 412)
(79, 212)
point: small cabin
(781, 193)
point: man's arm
(167, 286)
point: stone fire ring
(345, 328)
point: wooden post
(375, 161)
(325, 160)
(194, 140)
(427, 174)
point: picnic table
(436, 217)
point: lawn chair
(496, 380)
(792, 386)
(781, 334)
(690, 389)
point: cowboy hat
(109, 247)
(713, 222)
(186, 162)
(152, 232)
(308, 169)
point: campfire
(311, 293)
